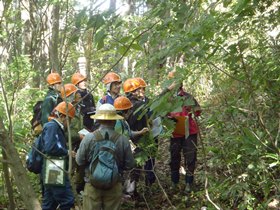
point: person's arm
(197, 109)
(84, 149)
(129, 161)
(139, 133)
(53, 144)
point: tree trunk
(88, 51)
(54, 43)
(8, 183)
(18, 171)
(112, 7)
(131, 7)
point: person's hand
(144, 130)
(172, 86)
(72, 153)
(81, 136)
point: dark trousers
(189, 148)
(54, 196)
(150, 177)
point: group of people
(72, 107)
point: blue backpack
(34, 160)
(104, 173)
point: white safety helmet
(106, 112)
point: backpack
(104, 173)
(34, 160)
(36, 119)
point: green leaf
(99, 39)
(125, 39)
(95, 21)
(136, 47)
(122, 49)
(272, 156)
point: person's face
(70, 98)
(142, 93)
(63, 119)
(138, 94)
(115, 88)
(65, 122)
(82, 85)
(57, 86)
(77, 98)
(124, 113)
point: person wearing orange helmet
(123, 106)
(54, 145)
(143, 86)
(133, 90)
(87, 104)
(113, 86)
(71, 94)
(52, 97)
(184, 137)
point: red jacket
(187, 111)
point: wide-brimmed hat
(106, 112)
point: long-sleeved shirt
(187, 111)
(54, 139)
(51, 100)
(123, 151)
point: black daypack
(34, 162)
(37, 113)
(104, 173)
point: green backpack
(104, 173)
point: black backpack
(37, 113)
(34, 160)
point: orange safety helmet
(130, 85)
(122, 103)
(67, 90)
(77, 78)
(141, 81)
(61, 108)
(111, 77)
(53, 78)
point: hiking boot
(174, 186)
(188, 188)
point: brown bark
(54, 43)
(22, 182)
(8, 183)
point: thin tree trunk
(54, 43)
(131, 7)
(18, 171)
(112, 7)
(88, 51)
(8, 183)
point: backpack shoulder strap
(115, 137)
(98, 136)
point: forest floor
(160, 195)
